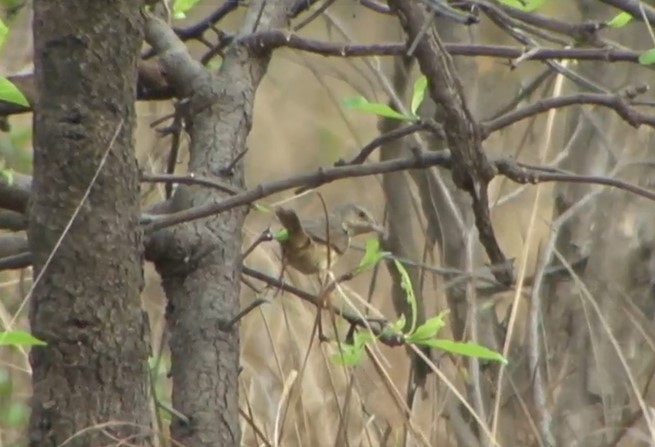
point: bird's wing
(290, 221)
(338, 240)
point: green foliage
(620, 20)
(261, 208)
(351, 354)
(647, 57)
(380, 109)
(3, 33)
(10, 93)
(524, 5)
(410, 296)
(215, 63)
(15, 414)
(181, 7)
(428, 329)
(418, 93)
(281, 235)
(372, 256)
(383, 110)
(8, 174)
(12, 414)
(468, 349)
(19, 338)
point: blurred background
(289, 385)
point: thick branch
(471, 170)
(15, 192)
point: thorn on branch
(228, 171)
(226, 327)
(265, 236)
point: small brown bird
(306, 248)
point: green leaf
(647, 57)
(3, 32)
(19, 338)
(215, 63)
(361, 103)
(352, 354)
(463, 348)
(281, 235)
(372, 256)
(428, 329)
(182, 6)
(406, 284)
(523, 5)
(620, 20)
(10, 93)
(261, 208)
(15, 415)
(349, 356)
(419, 93)
(8, 174)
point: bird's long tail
(291, 222)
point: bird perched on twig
(313, 246)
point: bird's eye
(361, 214)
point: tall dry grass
(290, 389)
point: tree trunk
(86, 302)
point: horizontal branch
(419, 160)
(620, 103)
(153, 85)
(377, 325)
(278, 38)
(15, 192)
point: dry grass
(289, 387)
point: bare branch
(618, 102)
(15, 192)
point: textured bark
(86, 304)
(200, 262)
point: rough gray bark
(200, 262)
(86, 304)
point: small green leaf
(372, 256)
(8, 174)
(406, 284)
(215, 63)
(349, 356)
(352, 354)
(281, 235)
(19, 338)
(10, 93)
(181, 7)
(3, 32)
(361, 103)
(15, 415)
(362, 337)
(524, 5)
(463, 348)
(261, 208)
(620, 20)
(419, 93)
(428, 329)
(647, 57)
(396, 327)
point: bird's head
(357, 220)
